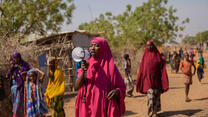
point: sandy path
(173, 101)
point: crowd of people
(101, 88)
(184, 60)
(27, 96)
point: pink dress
(102, 77)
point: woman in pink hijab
(104, 86)
(152, 78)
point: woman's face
(94, 49)
(52, 64)
(32, 76)
(16, 59)
(150, 47)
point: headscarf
(56, 85)
(38, 102)
(52, 58)
(32, 71)
(102, 74)
(18, 69)
(152, 73)
(198, 65)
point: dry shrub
(135, 56)
(8, 47)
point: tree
(199, 37)
(102, 26)
(189, 40)
(33, 16)
(202, 36)
(154, 20)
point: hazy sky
(87, 10)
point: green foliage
(203, 37)
(33, 16)
(199, 37)
(189, 39)
(154, 20)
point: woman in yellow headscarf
(55, 89)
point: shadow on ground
(176, 87)
(137, 96)
(204, 83)
(127, 113)
(201, 99)
(180, 112)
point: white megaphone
(79, 54)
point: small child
(128, 79)
(186, 67)
(200, 70)
(35, 103)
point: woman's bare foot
(187, 100)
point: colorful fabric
(102, 77)
(201, 59)
(58, 106)
(36, 104)
(18, 69)
(200, 70)
(17, 84)
(56, 85)
(199, 65)
(153, 103)
(78, 66)
(152, 73)
(17, 101)
(32, 71)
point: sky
(87, 10)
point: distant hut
(61, 46)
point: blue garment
(201, 61)
(38, 105)
(124, 65)
(181, 53)
(78, 66)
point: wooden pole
(200, 38)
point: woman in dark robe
(18, 68)
(152, 78)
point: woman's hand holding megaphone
(84, 65)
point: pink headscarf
(152, 72)
(102, 77)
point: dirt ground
(173, 101)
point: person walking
(128, 78)
(152, 78)
(186, 67)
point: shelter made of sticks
(61, 46)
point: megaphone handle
(85, 83)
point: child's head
(32, 75)
(186, 55)
(126, 56)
